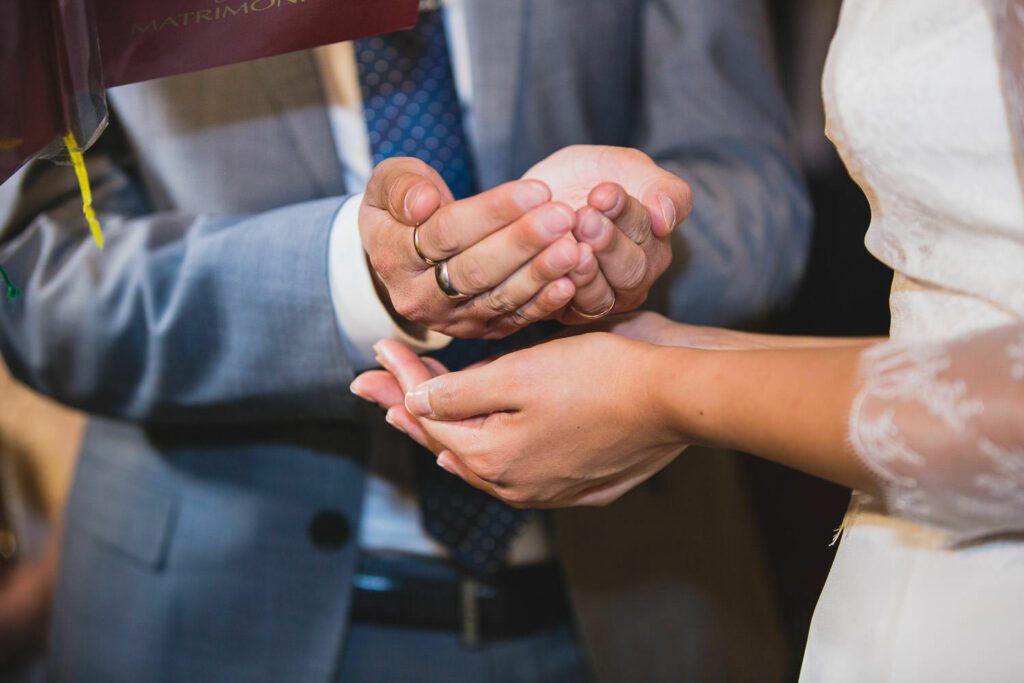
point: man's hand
(511, 249)
(568, 422)
(627, 207)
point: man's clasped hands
(583, 235)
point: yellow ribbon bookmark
(78, 162)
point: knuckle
(469, 276)
(519, 318)
(489, 470)
(405, 307)
(462, 329)
(443, 233)
(498, 301)
(442, 399)
(516, 496)
(633, 154)
(383, 262)
(606, 302)
(634, 276)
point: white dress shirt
(391, 517)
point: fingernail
(530, 195)
(417, 401)
(560, 259)
(411, 196)
(384, 356)
(357, 390)
(591, 225)
(561, 292)
(555, 221)
(389, 417)
(668, 210)
(445, 463)
(586, 259)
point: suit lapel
(293, 84)
(497, 31)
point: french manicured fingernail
(445, 463)
(390, 418)
(668, 210)
(591, 225)
(556, 220)
(384, 356)
(417, 401)
(530, 195)
(358, 390)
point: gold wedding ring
(445, 282)
(594, 316)
(419, 251)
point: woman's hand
(569, 422)
(627, 207)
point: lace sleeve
(942, 426)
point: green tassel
(12, 291)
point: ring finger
(593, 293)
(553, 298)
(509, 296)
(494, 259)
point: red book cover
(143, 39)
(57, 55)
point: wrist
(685, 393)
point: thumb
(408, 189)
(669, 200)
(461, 395)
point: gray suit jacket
(204, 342)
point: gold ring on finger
(594, 316)
(419, 251)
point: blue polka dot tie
(412, 109)
(411, 104)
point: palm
(573, 172)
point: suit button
(329, 530)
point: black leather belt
(422, 593)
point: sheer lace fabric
(942, 426)
(941, 423)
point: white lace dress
(925, 102)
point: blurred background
(38, 444)
(795, 516)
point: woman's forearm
(790, 406)
(678, 334)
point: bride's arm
(657, 329)
(936, 427)
(789, 405)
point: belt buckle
(470, 612)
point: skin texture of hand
(564, 423)
(510, 247)
(627, 207)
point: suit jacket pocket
(123, 506)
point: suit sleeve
(181, 317)
(712, 113)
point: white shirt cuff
(362, 317)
